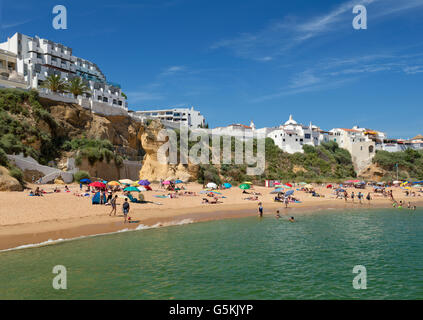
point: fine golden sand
(27, 220)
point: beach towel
(163, 197)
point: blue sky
(245, 60)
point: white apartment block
(175, 117)
(292, 136)
(361, 147)
(37, 58)
(9, 76)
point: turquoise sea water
(233, 259)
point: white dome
(291, 121)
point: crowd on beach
(288, 194)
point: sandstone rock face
(152, 169)
(7, 182)
(75, 121)
(372, 173)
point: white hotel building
(37, 58)
(175, 117)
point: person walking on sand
(346, 195)
(286, 201)
(125, 208)
(352, 196)
(260, 209)
(113, 204)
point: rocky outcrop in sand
(372, 173)
(7, 182)
(152, 169)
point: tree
(54, 83)
(77, 87)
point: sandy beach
(30, 220)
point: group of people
(277, 216)
(359, 195)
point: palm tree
(54, 83)
(77, 87)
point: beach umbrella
(277, 183)
(397, 182)
(144, 183)
(247, 182)
(97, 184)
(417, 186)
(113, 183)
(178, 181)
(126, 181)
(309, 186)
(131, 189)
(288, 184)
(329, 186)
(85, 181)
(166, 182)
(135, 184)
(340, 190)
(227, 185)
(302, 183)
(211, 185)
(244, 186)
(141, 188)
(289, 193)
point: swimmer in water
(278, 214)
(291, 219)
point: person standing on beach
(260, 209)
(369, 198)
(352, 197)
(125, 208)
(286, 201)
(360, 196)
(113, 204)
(346, 195)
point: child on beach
(260, 209)
(277, 214)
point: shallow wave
(140, 227)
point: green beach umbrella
(244, 186)
(131, 189)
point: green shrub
(81, 175)
(4, 161)
(17, 174)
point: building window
(100, 98)
(120, 102)
(105, 99)
(114, 101)
(307, 136)
(371, 149)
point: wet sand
(30, 220)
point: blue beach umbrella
(178, 181)
(227, 185)
(85, 181)
(289, 192)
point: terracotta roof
(350, 130)
(418, 137)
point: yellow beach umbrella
(247, 182)
(113, 183)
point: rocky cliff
(152, 169)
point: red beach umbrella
(97, 184)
